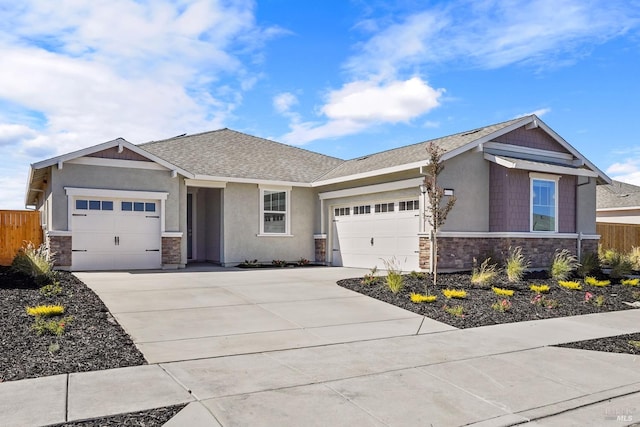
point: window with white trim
(362, 210)
(409, 205)
(274, 211)
(342, 211)
(544, 204)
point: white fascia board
(499, 146)
(368, 189)
(27, 194)
(117, 163)
(104, 146)
(203, 183)
(560, 140)
(257, 181)
(626, 208)
(370, 174)
(116, 194)
(538, 166)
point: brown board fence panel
(621, 237)
(16, 227)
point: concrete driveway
(205, 311)
(289, 347)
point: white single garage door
(365, 234)
(115, 234)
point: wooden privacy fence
(620, 237)
(16, 227)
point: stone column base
(321, 248)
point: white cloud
(12, 134)
(361, 104)
(284, 101)
(627, 171)
(491, 34)
(539, 112)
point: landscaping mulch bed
(92, 340)
(151, 418)
(477, 305)
(618, 344)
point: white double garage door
(365, 234)
(115, 234)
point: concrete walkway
(322, 355)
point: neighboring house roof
(226, 153)
(617, 195)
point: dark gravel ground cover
(477, 306)
(151, 418)
(92, 340)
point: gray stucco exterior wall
(586, 205)
(242, 226)
(112, 178)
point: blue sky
(344, 78)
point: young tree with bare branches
(436, 210)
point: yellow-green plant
(516, 264)
(456, 310)
(539, 289)
(630, 282)
(51, 327)
(454, 293)
(599, 300)
(395, 281)
(635, 344)
(484, 274)
(419, 298)
(595, 282)
(52, 289)
(502, 292)
(45, 310)
(574, 286)
(635, 295)
(564, 263)
(501, 306)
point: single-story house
(618, 203)
(225, 197)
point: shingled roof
(412, 153)
(227, 153)
(617, 195)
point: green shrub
(52, 289)
(34, 261)
(564, 263)
(620, 265)
(485, 274)
(516, 264)
(589, 263)
(395, 281)
(51, 327)
(456, 310)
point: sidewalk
(490, 376)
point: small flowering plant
(588, 296)
(543, 301)
(501, 306)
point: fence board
(621, 237)
(16, 227)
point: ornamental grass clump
(420, 298)
(574, 286)
(630, 282)
(456, 310)
(515, 265)
(454, 293)
(484, 274)
(502, 292)
(595, 282)
(539, 289)
(35, 262)
(564, 263)
(395, 281)
(588, 264)
(45, 310)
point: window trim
(548, 178)
(287, 211)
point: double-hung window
(274, 217)
(544, 202)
